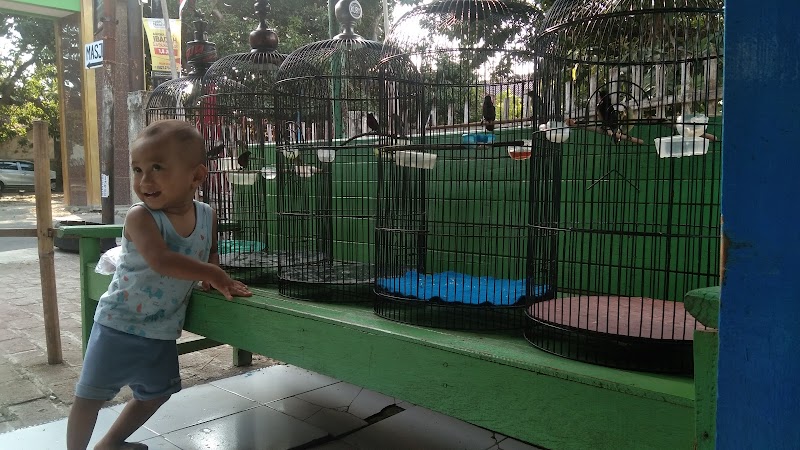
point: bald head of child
(176, 136)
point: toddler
(169, 243)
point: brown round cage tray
(637, 317)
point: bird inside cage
(607, 114)
(489, 112)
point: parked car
(18, 174)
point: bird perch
(372, 133)
(478, 124)
(709, 136)
(600, 130)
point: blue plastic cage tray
(454, 287)
(473, 140)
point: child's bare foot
(124, 446)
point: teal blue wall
(759, 328)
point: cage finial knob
(348, 12)
(200, 29)
(263, 39)
(200, 54)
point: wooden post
(173, 67)
(135, 47)
(44, 226)
(109, 31)
(137, 120)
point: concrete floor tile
(512, 444)
(7, 372)
(48, 374)
(6, 427)
(423, 429)
(37, 412)
(7, 333)
(334, 445)
(69, 324)
(29, 358)
(34, 309)
(295, 407)
(63, 392)
(368, 403)
(196, 405)
(404, 404)
(274, 383)
(335, 396)
(28, 323)
(53, 435)
(336, 423)
(11, 312)
(24, 300)
(159, 443)
(69, 307)
(18, 391)
(257, 428)
(16, 345)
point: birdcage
(179, 98)
(452, 233)
(237, 119)
(328, 94)
(629, 188)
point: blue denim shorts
(115, 359)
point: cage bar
(237, 115)
(628, 186)
(328, 95)
(453, 203)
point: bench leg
(706, 344)
(89, 250)
(241, 357)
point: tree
(231, 22)
(28, 79)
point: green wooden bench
(496, 381)
(704, 305)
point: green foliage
(514, 105)
(297, 23)
(28, 82)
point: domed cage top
(237, 118)
(624, 229)
(328, 99)
(453, 200)
(179, 98)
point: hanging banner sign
(157, 37)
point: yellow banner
(157, 37)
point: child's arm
(141, 229)
(213, 257)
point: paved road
(18, 210)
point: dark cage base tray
(627, 333)
(259, 267)
(328, 281)
(454, 316)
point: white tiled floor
(282, 407)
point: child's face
(162, 179)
